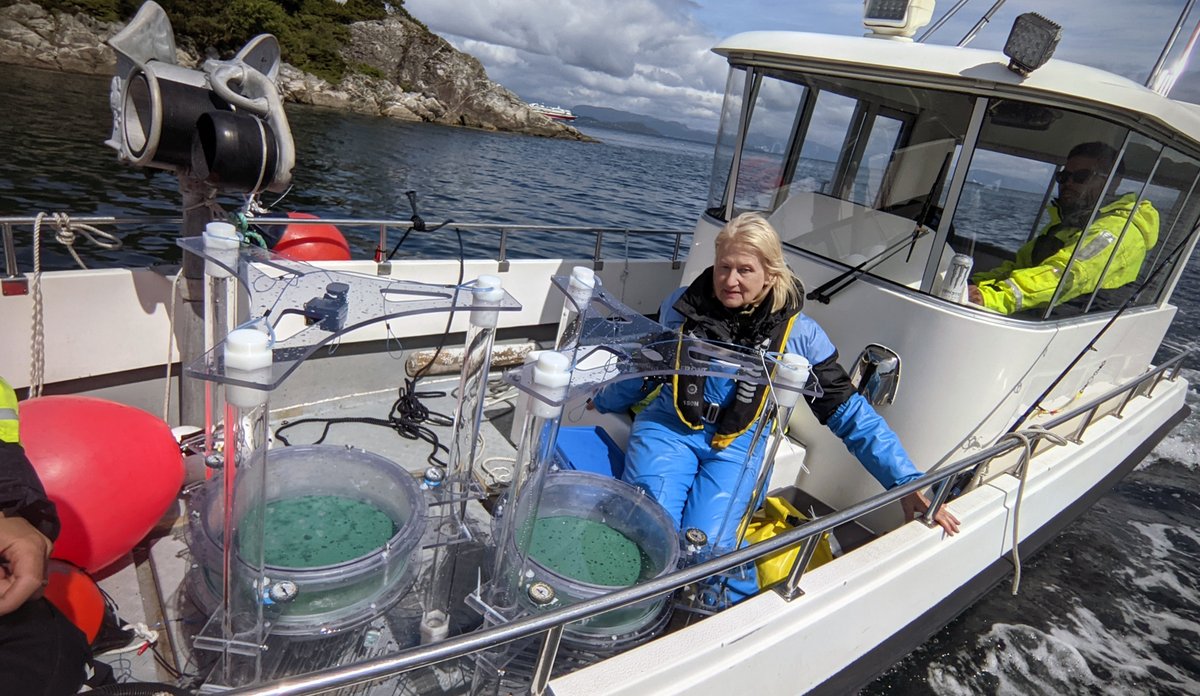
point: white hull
(890, 594)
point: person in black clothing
(41, 652)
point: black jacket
(21, 493)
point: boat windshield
(899, 179)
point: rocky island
(400, 70)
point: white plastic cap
(247, 349)
(247, 357)
(581, 285)
(221, 235)
(793, 372)
(551, 375)
(583, 277)
(488, 290)
(552, 369)
(220, 240)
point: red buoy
(312, 242)
(112, 471)
(75, 594)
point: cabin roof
(974, 70)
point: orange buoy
(112, 471)
(76, 595)
(312, 242)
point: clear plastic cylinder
(237, 632)
(468, 418)
(551, 376)
(580, 287)
(220, 311)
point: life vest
(9, 426)
(757, 328)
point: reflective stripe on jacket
(9, 426)
(1023, 284)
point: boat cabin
(879, 161)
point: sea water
(588, 551)
(311, 531)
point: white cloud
(647, 56)
(654, 57)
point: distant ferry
(555, 112)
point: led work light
(1031, 42)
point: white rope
(166, 412)
(37, 341)
(66, 235)
(1026, 438)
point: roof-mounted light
(896, 19)
(1031, 42)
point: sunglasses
(1079, 176)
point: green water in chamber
(589, 551)
(310, 531)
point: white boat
(555, 112)
(1021, 421)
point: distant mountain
(616, 119)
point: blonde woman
(688, 446)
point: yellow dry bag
(776, 516)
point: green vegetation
(368, 70)
(310, 32)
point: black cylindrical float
(234, 151)
(161, 105)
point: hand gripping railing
(552, 623)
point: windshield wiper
(826, 292)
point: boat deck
(150, 586)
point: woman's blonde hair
(752, 232)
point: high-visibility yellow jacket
(1023, 284)
(9, 427)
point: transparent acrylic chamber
(333, 593)
(592, 535)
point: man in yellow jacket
(1029, 280)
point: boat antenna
(1103, 329)
(1161, 80)
(987, 17)
(944, 18)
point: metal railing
(9, 227)
(552, 623)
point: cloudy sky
(652, 56)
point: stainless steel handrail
(10, 252)
(383, 225)
(478, 641)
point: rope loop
(67, 232)
(1027, 437)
